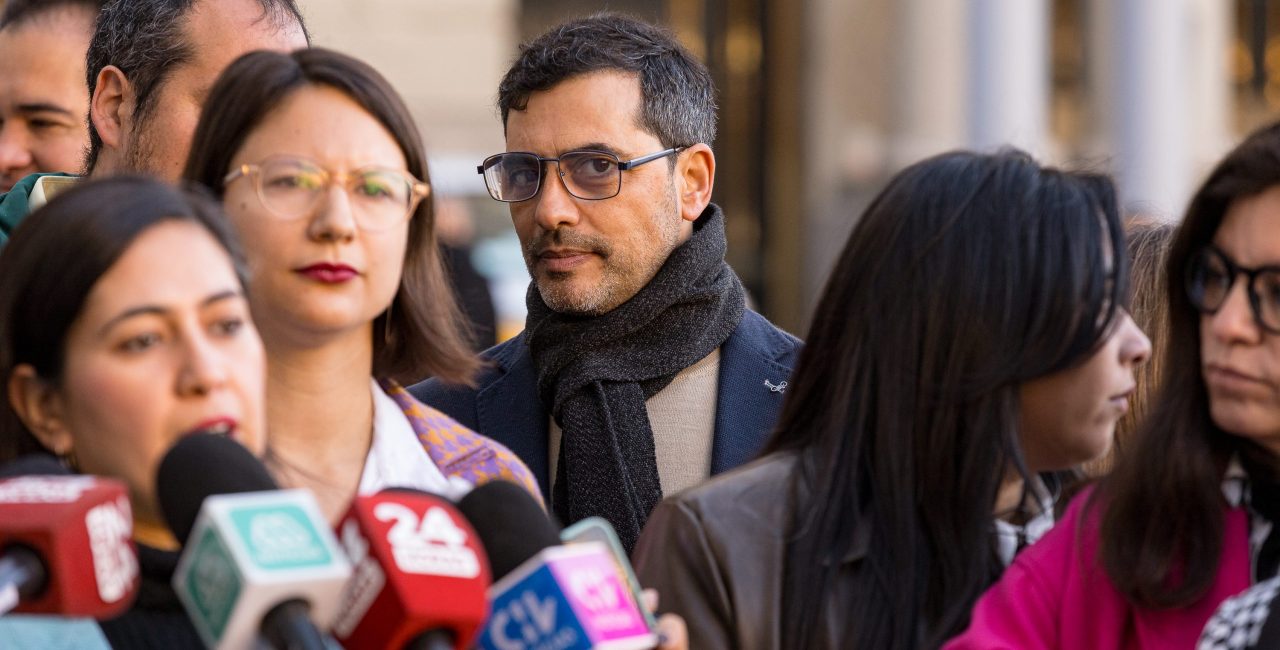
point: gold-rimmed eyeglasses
(292, 187)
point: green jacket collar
(14, 205)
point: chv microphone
(256, 560)
(549, 596)
(419, 577)
(65, 542)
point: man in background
(640, 371)
(150, 65)
(43, 100)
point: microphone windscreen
(419, 573)
(39, 464)
(511, 524)
(201, 465)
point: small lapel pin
(779, 388)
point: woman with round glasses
(1191, 512)
(971, 339)
(322, 173)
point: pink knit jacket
(1056, 595)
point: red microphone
(419, 578)
(66, 546)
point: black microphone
(544, 595)
(512, 526)
(256, 559)
(202, 465)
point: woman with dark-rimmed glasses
(323, 175)
(1188, 515)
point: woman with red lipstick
(322, 173)
(123, 327)
(1191, 512)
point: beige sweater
(683, 419)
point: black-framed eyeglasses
(292, 187)
(587, 174)
(1211, 275)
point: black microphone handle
(22, 571)
(437, 639)
(288, 626)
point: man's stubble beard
(139, 156)
(140, 150)
(616, 285)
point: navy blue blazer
(504, 406)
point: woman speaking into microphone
(124, 326)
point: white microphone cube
(248, 553)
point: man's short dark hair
(19, 12)
(678, 101)
(144, 38)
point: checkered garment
(1240, 621)
(1244, 621)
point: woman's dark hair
(967, 276)
(56, 256)
(1162, 528)
(426, 335)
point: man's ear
(695, 175)
(111, 107)
(39, 406)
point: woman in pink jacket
(1185, 519)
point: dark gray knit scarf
(595, 373)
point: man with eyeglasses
(640, 371)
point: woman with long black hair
(972, 337)
(1188, 515)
